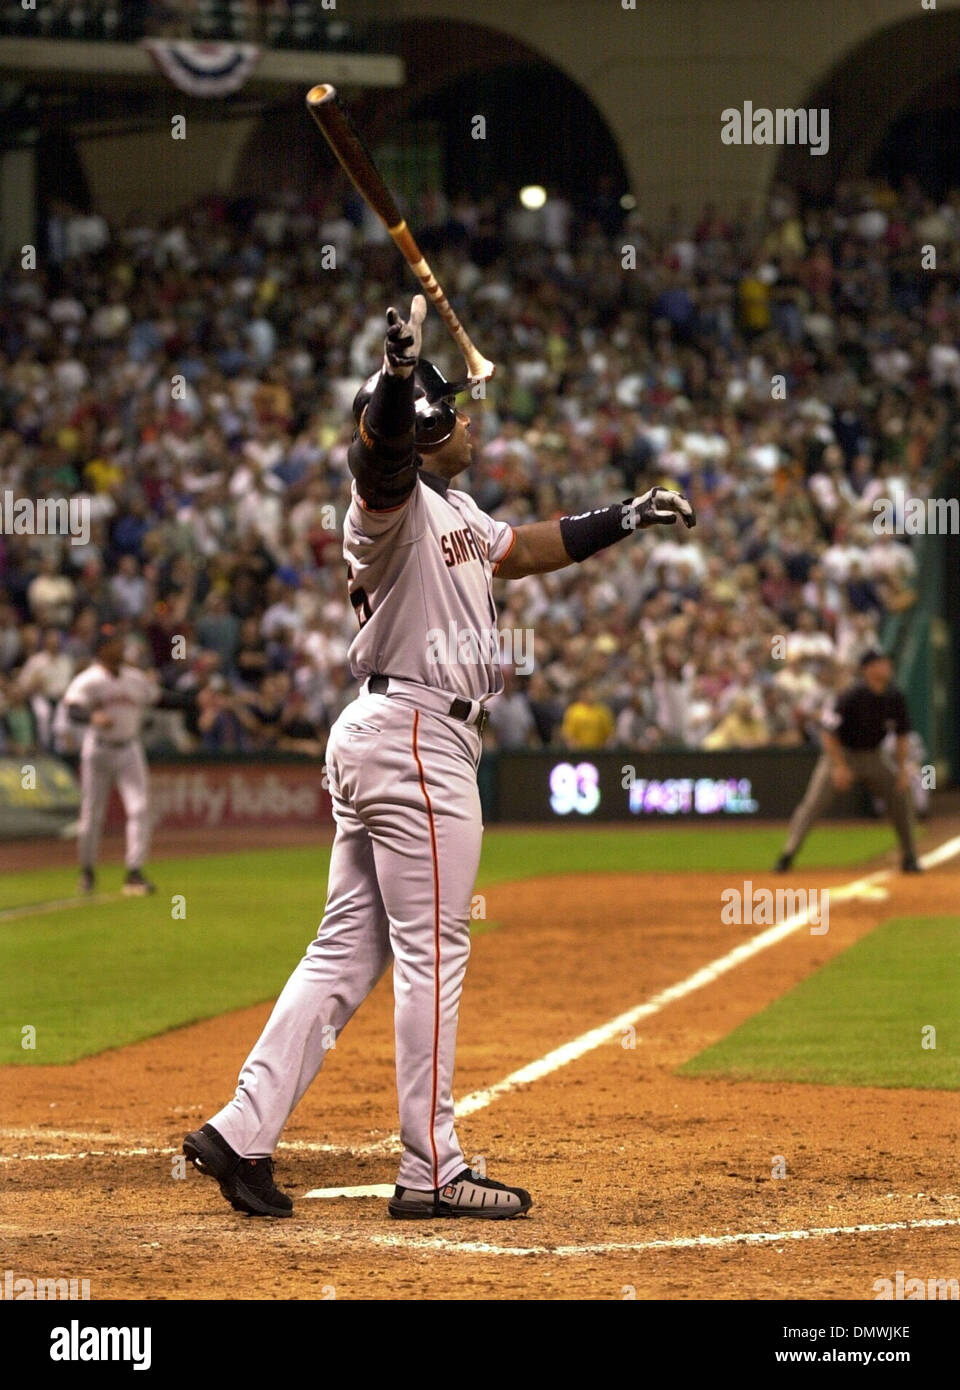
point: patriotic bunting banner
(204, 69)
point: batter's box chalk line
(147, 1151)
(613, 1247)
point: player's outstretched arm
(382, 457)
(551, 545)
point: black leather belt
(459, 709)
(114, 743)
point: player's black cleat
(464, 1195)
(135, 885)
(246, 1183)
(909, 865)
(783, 864)
(88, 882)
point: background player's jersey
(123, 696)
(420, 581)
(862, 720)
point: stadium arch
(534, 110)
(883, 93)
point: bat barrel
(343, 139)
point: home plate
(375, 1190)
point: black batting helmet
(434, 399)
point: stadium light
(534, 195)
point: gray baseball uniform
(402, 762)
(112, 755)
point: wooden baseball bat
(338, 130)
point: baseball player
(853, 732)
(402, 762)
(109, 698)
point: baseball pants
(868, 766)
(402, 870)
(100, 767)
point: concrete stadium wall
(149, 170)
(662, 73)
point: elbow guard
(385, 475)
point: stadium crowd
(192, 382)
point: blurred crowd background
(297, 24)
(193, 380)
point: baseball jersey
(124, 696)
(420, 580)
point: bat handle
(479, 368)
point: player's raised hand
(401, 348)
(661, 507)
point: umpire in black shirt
(853, 732)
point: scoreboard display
(662, 786)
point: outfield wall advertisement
(206, 795)
(552, 787)
(39, 796)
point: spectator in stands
(511, 718)
(43, 680)
(51, 593)
(743, 727)
(129, 590)
(219, 630)
(18, 726)
(588, 722)
(546, 709)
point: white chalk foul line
(941, 853)
(481, 1247)
(14, 914)
(706, 975)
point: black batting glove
(401, 347)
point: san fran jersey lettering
(420, 580)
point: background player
(109, 697)
(852, 735)
(402, 762)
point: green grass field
(102, 975)
(860, 1020)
